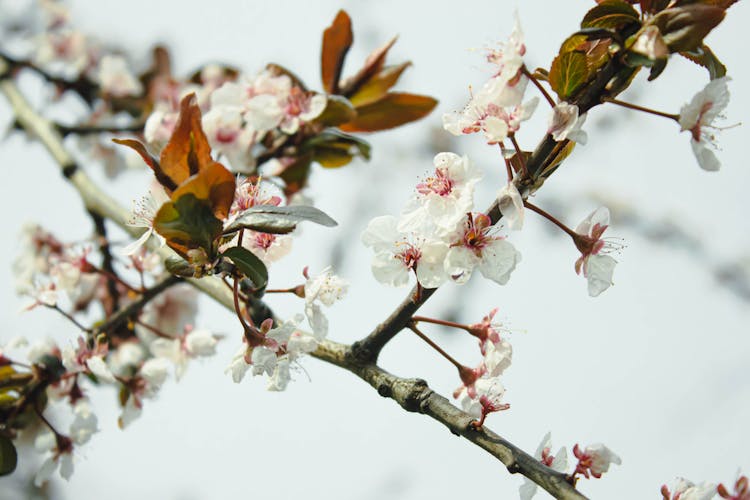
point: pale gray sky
(656, 367)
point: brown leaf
(392, 110)
(213, 183)
(373, 64)
(152, 162)
(684, 28)
(337, 39)
(378, 85)
(338, 110)
(188, 148)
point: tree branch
(413, 395)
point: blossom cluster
(497, 108)
(277, 345)
(239, 111)
(157, 339)
(438, 236)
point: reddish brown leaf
(152, 162)
(337, 39)
(187, 149)
(391, 111)
(373, 64)
(378, 85)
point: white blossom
(144, 211)
(474, 245)
(596, 265)
(442, 199)
(602, 457)
(560, 463)
(687, 490)
(565, 123)
(398, 253)
(698, 116)
(489, 394)
(325, 288)
(115, 77)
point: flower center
(476, 235)
(410, 256)
(441, 184)
(264, 240)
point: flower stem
(413, 327)
(550, 218)
(423, 319)
(519, 153)
(538, 85)
(508, 166)
(112, 276)
(641, 108)
(70, 318)
(155, 330)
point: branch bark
(414, 395)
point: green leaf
(393, 110)
(568, 72)
(249, 264)
(332, 148)
(8, 456)
(706, 58)
(188, 223)
(278, 220)
(684, 28)
(611, 14)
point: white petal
(706, 158)
(280, 378)
(459, 264)
(598, 270)
(381, 233)
(129, 413)
(66, 466)
(99, 368)
(201, 343)
(45, 472)
(499, 259)
(510, 203)
(389, 270)
(155, 371)
(527, 490)
(264, 361)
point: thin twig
(538, 85)
(107, 260)
(636, 107)
(66, 130)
